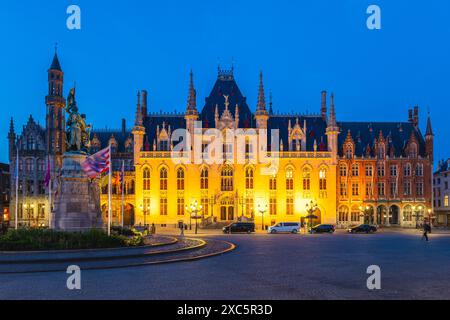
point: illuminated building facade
(349, 172)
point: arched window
(249, 178)
(180, 179)
(323, 179)
(289, 179)
(381, 151)
(31, 145)
(343, 170)
(41, 165)
(226, 179)
(204, 179)
(349, 151)
(407, 170)
(419, 170)
(306, 176)
(29, 165)
(413, 150)
(163, 179)
(343, 214)
(146, 176)
(355, 170)
(407, 213)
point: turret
(55, 120)
(332, 131)
(323, 106)
(261, 114)
(138, 131)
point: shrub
(47, 239)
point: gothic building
(349, 172)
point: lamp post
(193, 211)
(262, 210)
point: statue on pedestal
(78, 132)
(77, 204)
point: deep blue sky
(301, 46)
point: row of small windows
(227, 179)
(381, 151)
(30, 164)
(393, 170)
(381, 189)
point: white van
(292, 227)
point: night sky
(302, 47)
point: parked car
(323, 228)
(367, 228)
(234, 227)
(286, 227)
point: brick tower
(55, 119)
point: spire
(191, 102)
(261, 106)
(138, 117)
(323, 106)
(332, 118)
(429, 131)
(11, 126)
(144, 103)
(55, 63)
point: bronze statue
(77, 132)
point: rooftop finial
(332, 118)
(192, 95)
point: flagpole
(123, 182)
(17, 189)
(109, 191)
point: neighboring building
(318, 157)
(4, 191)
(385, 172)
(442, 193)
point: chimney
(144, 103)
(416, 116)
(410, 118)
(124, 126)
(323, 106)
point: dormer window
(349, 151)
(413, 150)
(381, 151)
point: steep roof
(55, 63)
(315, 129)
(226, 85)
(396, 134)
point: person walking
(426, 229)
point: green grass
(46, 239)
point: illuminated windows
(180, 179)
(163, 179)
(204, 179)
(226, 179)
(146, 176)
(249, 178)
(289, 179)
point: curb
(116, 257)
(231, 247)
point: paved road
(268, 267)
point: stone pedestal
(77, 203)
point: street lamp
(262, 210)
(193, 211)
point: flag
(47, 174)
(97, 164)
